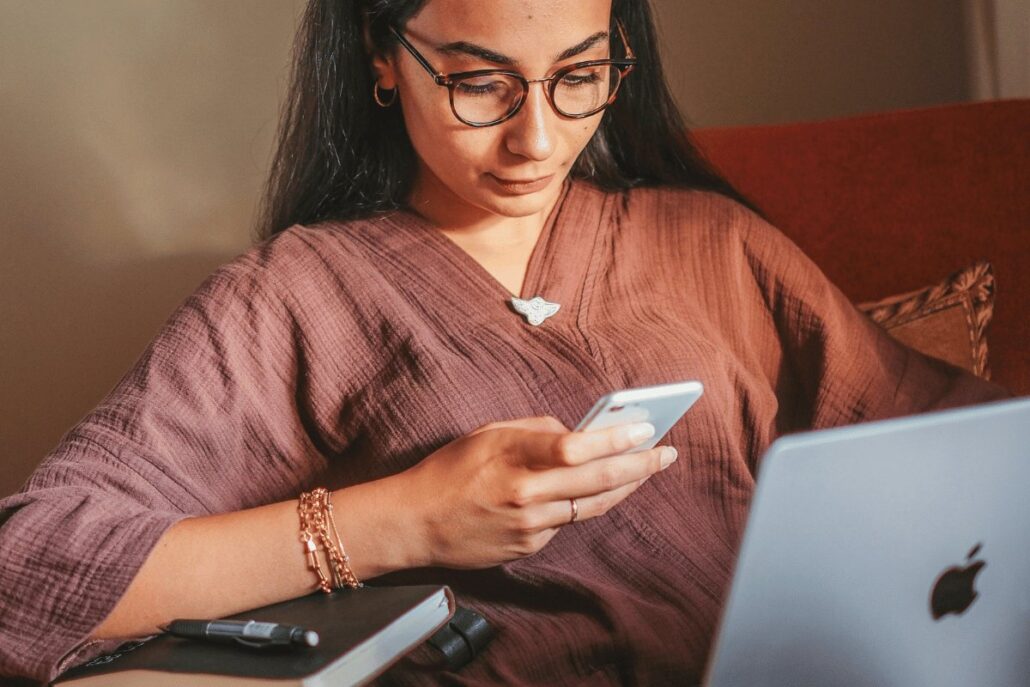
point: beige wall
(134, 135)
(756, 61)
(1012, 46)
(998, 48)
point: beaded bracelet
(316, 518)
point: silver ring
(575, 511)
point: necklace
(536, 309)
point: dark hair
(339, 156)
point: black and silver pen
(250, 633)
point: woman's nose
(531, 133)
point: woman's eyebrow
(466, 48)
(582, 46)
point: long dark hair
(340, 156)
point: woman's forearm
(213, 566)
(496, 494)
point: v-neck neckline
(566, 259)
(534, 279)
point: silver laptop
(887, 553)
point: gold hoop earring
(379, 100)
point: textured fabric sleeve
(206, 421)
(838, 367)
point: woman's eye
(480, 88)
(581, 79)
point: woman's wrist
(385, 533)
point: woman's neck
(502, 245)
(476, 229)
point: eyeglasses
(486, 97)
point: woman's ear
(382, 64)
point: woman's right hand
(503, 491)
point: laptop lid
(887, 553)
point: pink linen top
(344, 352)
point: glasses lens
(485, 99)
(586, 90)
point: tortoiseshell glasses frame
(619, 69)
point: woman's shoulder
(293, 276)
(693, 214)
(687, 203)
(703, 220)
(296, 257)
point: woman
(372, 345)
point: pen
(246, 632)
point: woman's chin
(523, 203)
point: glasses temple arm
(625, 42)
(437, 76)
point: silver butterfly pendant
(535, 309)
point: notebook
(361, 633)
(887, 553)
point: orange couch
(894, 202)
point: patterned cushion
(947, 320)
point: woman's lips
(520, 187)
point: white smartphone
(662, 405)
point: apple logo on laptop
(953, 591)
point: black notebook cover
(343, 620)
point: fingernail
(669, 455)
(641, 431)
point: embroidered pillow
(947, 320)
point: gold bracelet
(304, 509)
(337, 555)
(316, 515)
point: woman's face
(487, 169)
